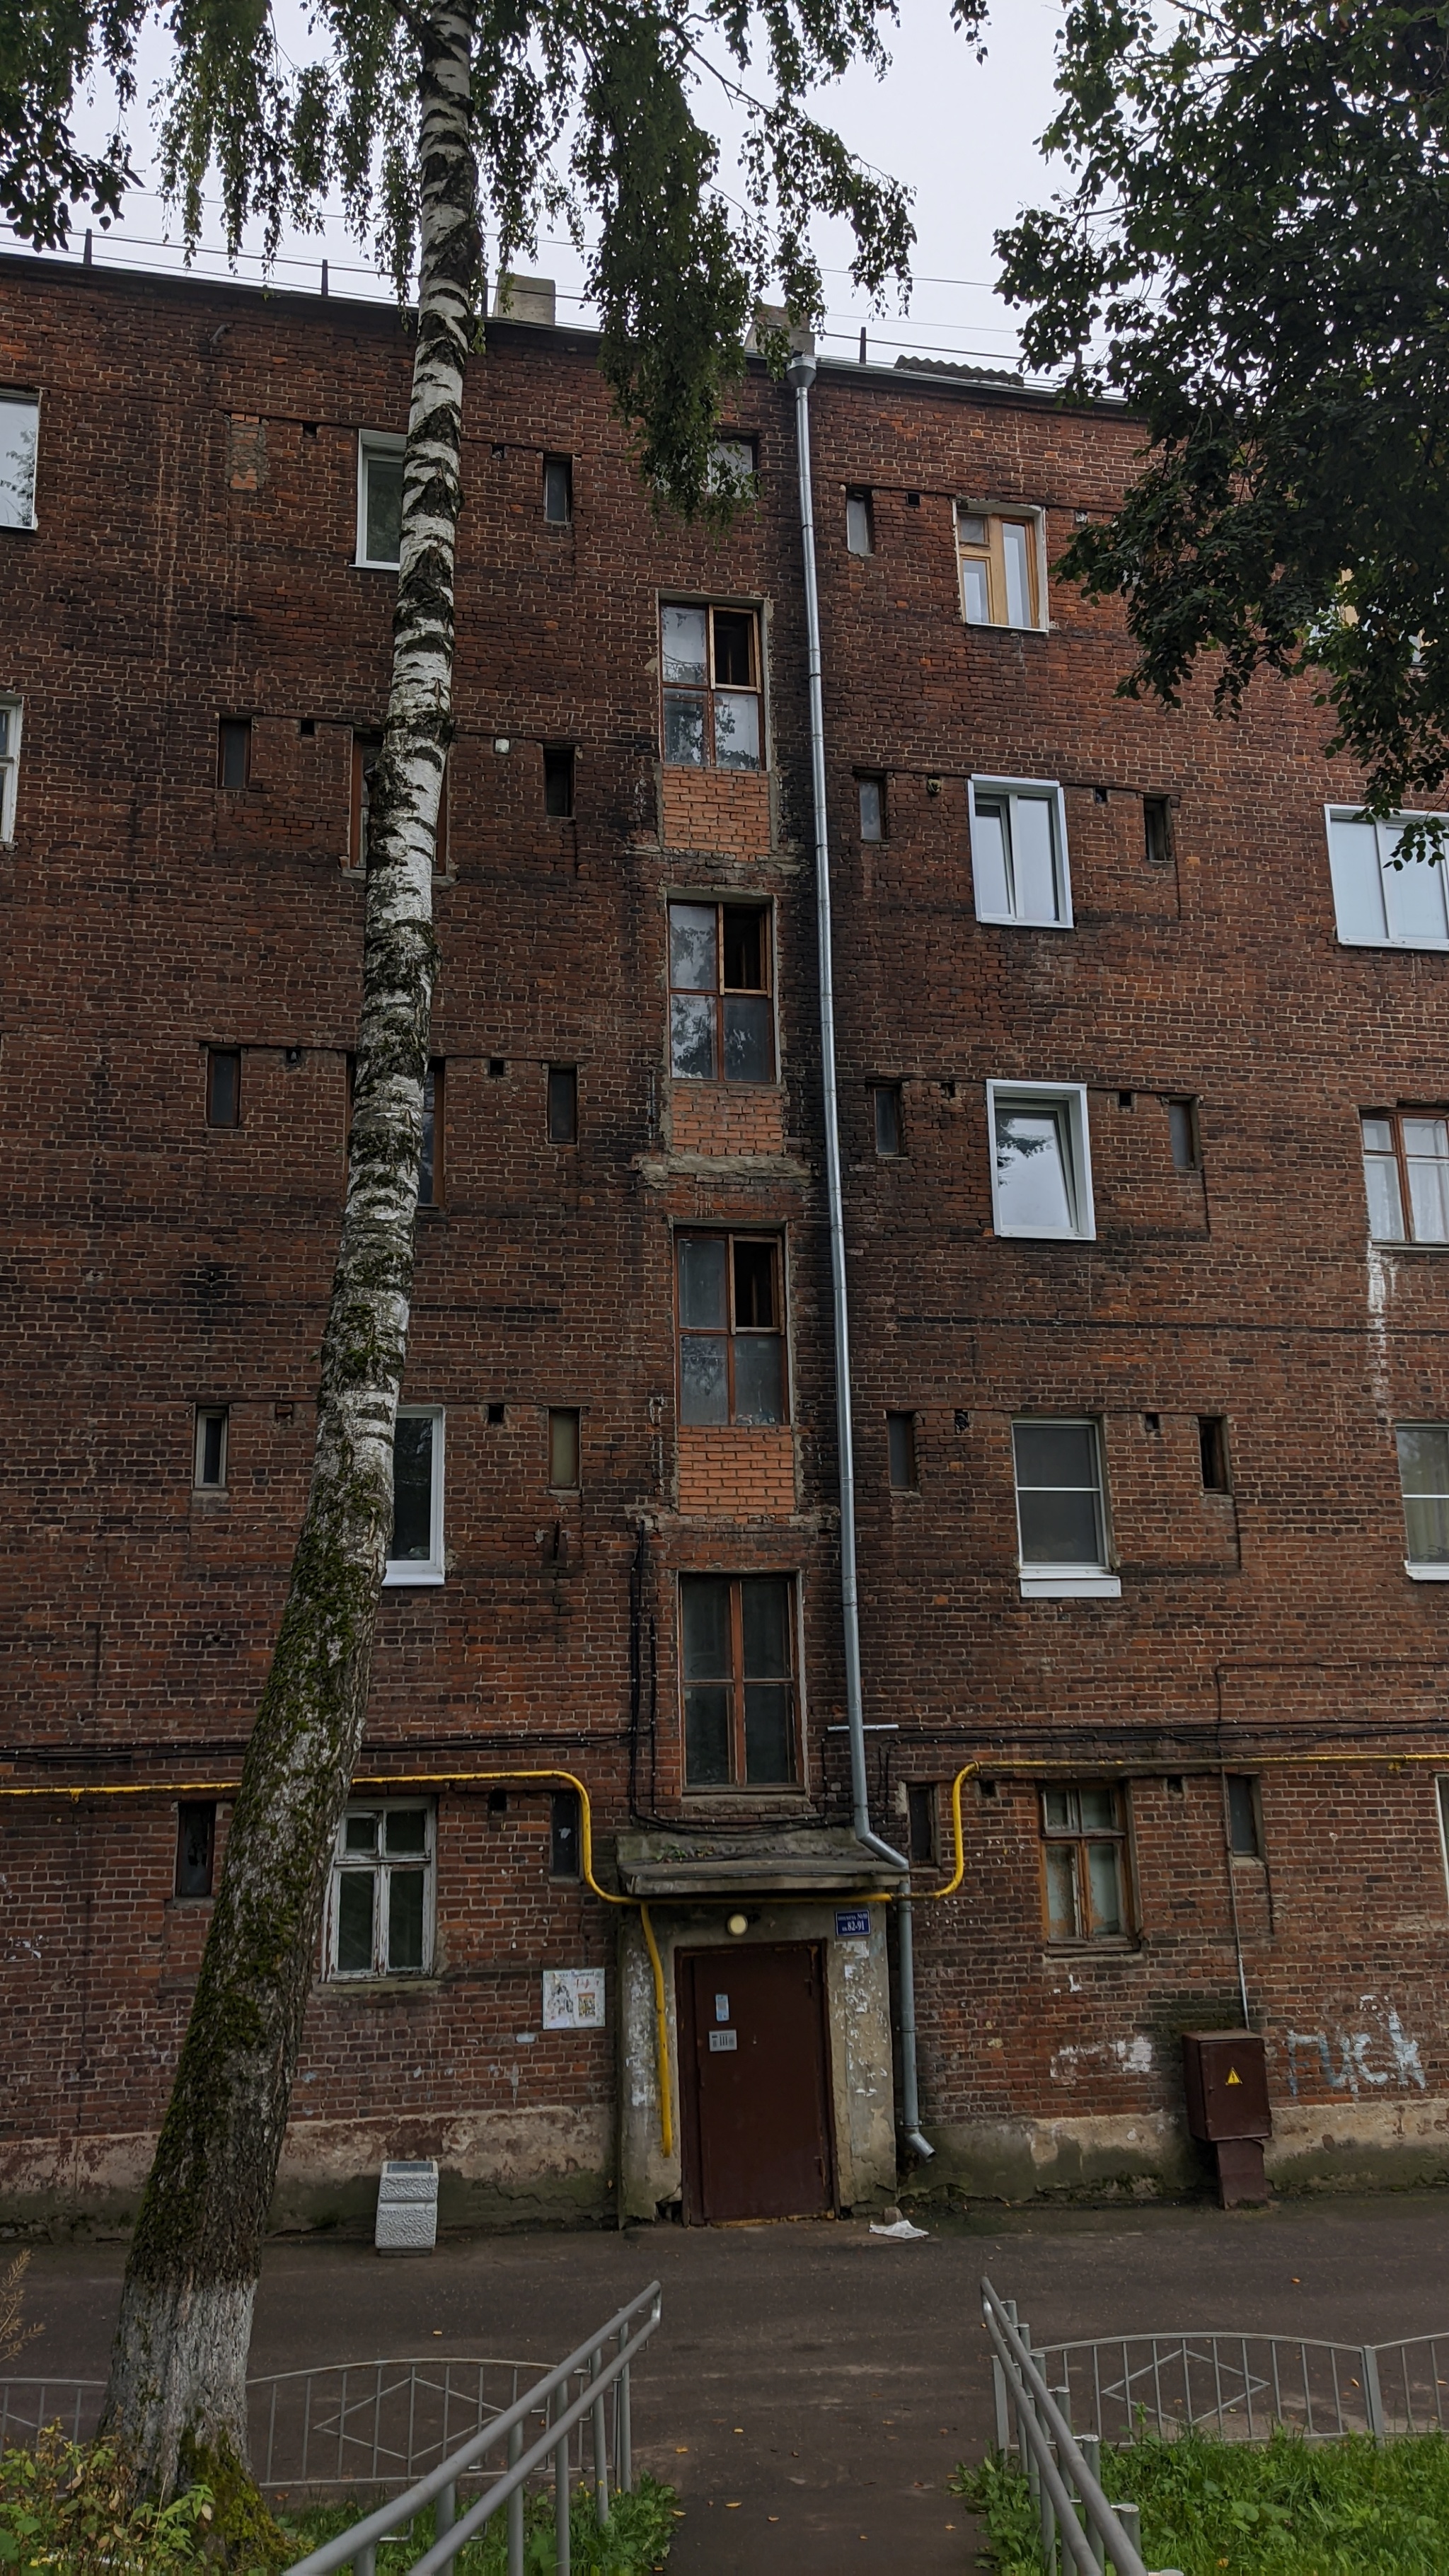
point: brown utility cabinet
(1226, 2077)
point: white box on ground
(407, 2206)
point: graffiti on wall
(1351, 2060)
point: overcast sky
(962, 135)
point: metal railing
(1241, 2387)
(1060, 2466)
(27, 2405)
(551, 2399)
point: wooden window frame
(379, 1864)
(1078, 1838)
(712, 687)
(1394, 1120)
(731, 1330)
(738, 1783)
(723, 991)
(990, 551)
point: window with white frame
(1424, 1479)
(1061, 1510)
(379, 499)
(1380, 901)
(415, 1554)
(381, 1901)
(1002, 571)
(1406, 1176)
(1019, 852)
(9, 764)
(1041, 1171)
(19, 438)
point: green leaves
(1254, 255)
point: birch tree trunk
(176, 2401)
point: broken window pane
(685, 646)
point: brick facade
(192, 562)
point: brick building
(1146, 1201)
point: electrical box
(1227, 2085)
(407, 2207)
(1227, 2107)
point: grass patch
(641, 2527)
(1284, 2508)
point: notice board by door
(756, 2127)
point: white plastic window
(9, 765)
(1061, 1509)
(19, 438)
(1379, 904)
(379, 499)
(1041, 1174)
(381, 1901)
(1019, 852)
(1424, 1478)
(415, 1554)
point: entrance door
(756, 2105)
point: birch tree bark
(176, 2401)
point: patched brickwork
(717, 809)
(726, 1118)
(738, 1472)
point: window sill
(1071, 1587)
(1426, 1573)
(1000, 626)
(1015, 921)
(425, 1982)
(405, 1578)
(1395, 1243)
(1126, 1945)
(1400, 947)
(1041, 1234)
(364, 563)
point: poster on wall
(573, 1998)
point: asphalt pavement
(812, 2386)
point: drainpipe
(800, 375)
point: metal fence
(1061, 2466)
(27, 2404)
(592, 2385)
(1241, 2386)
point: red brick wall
(193, 559)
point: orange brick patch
(740, 1471)
(717, 809)
(726, 1118)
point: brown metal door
(752, 2054)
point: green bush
(64, 2505)
(640, 2529)
(1284, 2508)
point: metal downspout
(800, 375)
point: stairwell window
(721, 1016)
(731, 1329)
(712, 688)
(737, 1638)
(1424, 1477)
(1019, 853)
(415, 1551)
(1061, 1511)
(379, 499)
(1002, 578)
(208, 1472)
(1084, 1855)
(10, 712)
(19, 439)
(1041, 1172)
(1379, 904)
(1406, 1175)
(381, 1901)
